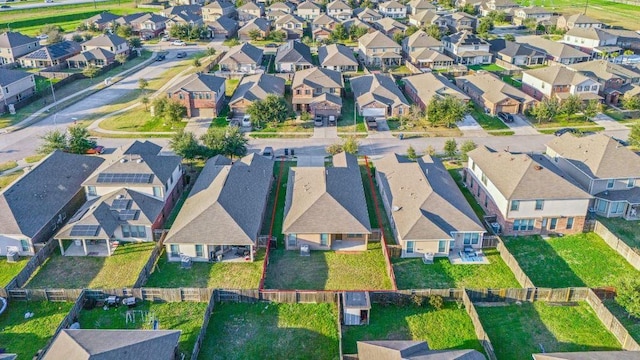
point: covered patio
(349, 245)
(87, 247)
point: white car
(246, 121)
(166, 38)
(42, 37)
(178, 43)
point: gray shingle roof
(10, 76)
(377, 87)
(338, 5)
(12, 39)
(605, 70)
(327, 200)
(243, 54)
(257, 87)
(143, 147)
(55, 51)
(411, 350)
(102, 18)
(199, 82)
(377, 39)
(492, 88)
(557, 75)
(555, 49)
(589, 355)
(34, 199)
(93, 54)
(226, 204)
(464, 38)
(308, 5)
(294, 52)
(513, 49)
(223, 22)
(105, 40)
(428, 85)
(316, 77)
(114, 345)
(261, 24)
(420, 39)
(336, 55)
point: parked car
(332, 120)
(42, 36)
(5, 7)
(318, 121)
(96, 150)
(566, 130)
(372, 124)
(160, 57)
(506, 117)
(271, 45)
(181, 54)
(166, 38)
(268, 152)
(178, 43)
(246, 121)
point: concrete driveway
(470, 127)
(607, 122)
(520, 126)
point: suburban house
(516, 53)
(15, 85)
(114, 344)
(389, 26)
(183, 15)
(615, 79)
(425, 52)
(494, 95)
(202, 94)
(293, 25)
(318, 91)
(427, 211)
(392, 9)
(338, 9)
(604, 168)
(97, 57)
(244, 58)
(595, 41)
(275, 15)
(467, 49)
(458, 21)
(349, 23)
(377, 49)
(217, 9)
(223, 27)
(252, 88)
(35, 206)
(539, 14)
(559, 82)
(410, 350)
(50, 55)
(222, 217)
(416, 6)
(260, 24)
(308, 10)
(293, 56)
(367, 15)
(422, 88)
(627, 39)
(568, 22)
(527, 193)
(326, 208)
(148, 25)
(14, 44)
(556, 51)
(285, 7)
(101, 21)
(337, 57)
(426, 18)
(377, 95)
(322, 26)
(108, 42)
(249, 11)
(418, 41)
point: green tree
(124, 31)
(78, 141)
(628, 52)
(465, 147)
(431, 151)
(497, 16)
(434, 31)
(592, 108)
(278, 35)
(355, 32)
(628, 295)
(450, 148)
(229, 142)
(87, 36)
(90, 71)
(255, 34)
(509, 37)
(484, 26)
(159, 104)
(135, 42)
(398, 37)
(351, 145)
(174, 111)
(232, 42)
(631, 102)
(196, 62)
(445, 111)
(51, 141)
(272, 109)
(54, 37)
(185, 144)
(142, 84)
(121, 58)
(546, 110)
(305, 116)
(571, 105)
(334, 149)
(339, 33)
(145, 102)
(634, 136)
(411, 153)
(210, 51)
(530, 23)
(469, 9)
(412, 29)
(77, 38)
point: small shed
(355, 307)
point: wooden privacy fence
(148, 267)
(611, 322)
(68, 320)
(482, 335)
(512, 263)
(25, 274)
(203, 329)
(147, 294)
(627, 252)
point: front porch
(88, 247)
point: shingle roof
(33, 200)
(308, 5)
(429, 203)
(464, 38)
(557, 75)
(290, 18)
(250, 6)
(283, 6)
(223, 22)
(183, 9)
(421, 4)
(12, 39)
(316, 77)
(219, 4)
(555, 49)
(431, 84)
(513, 49)
(420, 39)
(377, 87)
(581, 19)
(493, 88)
(426, 55)
(257, 87)
(387, 24)
(143, 147)
(261, 24)
(355, 22)
(93, 54)
(589, 355)
(102, 18)
(336, 55)
(149, 17)
(55, 51)
(243, 54)
(411, 350)
(366, 13)
(426, 16)
(294, 52)
(377, 39)
(338, 5)
(226, 204)
(114, 345)
(324, 19)
(605, 70)
(590, 33)
(199, 82)
(598, 156)
(105, 40)
(524, 176)
(392, 5)
(327, 200)
(8, 76)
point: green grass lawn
(432, 131)
(278, 203)
(631, 323)
(8, 165)
(448, 328)
(372, 204)
(328, 270)
(230, 86)
(346, 121)
(6, 180)
(185, 316)
(26, 336)
(609, 12)
(569, 261)
(9, 270)
(412, 273)
(271, 331)
(140, 120)
(564, 121)
(227, 275)
(22, 18)
(487, 121)
(627, 231)
(486, 67)
(75, 272)
(517, 331)
(34, 158)
(454, 170)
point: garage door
(202, 113)
(374, 112)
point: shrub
(436, 302)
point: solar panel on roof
(127, 214)
(85, 230)
(125, 178)
(121, 204)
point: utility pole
(53, 93)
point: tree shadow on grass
(412, 273)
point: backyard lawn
(271, 331)
(569, 261)
(517, 331)
(9, 270)
(412, 273)
(76, 272)
(225, 275)
(631, 323)
(230, 86)
(372, 204)
(26, 336)
(328, 270)
(185, 316)
(449, 328)
(486, 67)
(627, 231)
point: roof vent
(396, 208)
(139, 161)
(538, 167)
(123, 160)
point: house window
(134, 231)
(442, 245)
(478, 191)
(298, 92)
(570, 223)
(610, 183)
(579, 88)
(601, 206)
(410, 247)
(199, 250)
(324, 239)
(515, 205)
(25, 245)
(553, 223)
(523, 224)
(539, 204)
(92, 191)
(630, 183)
(292, 240)
(483, 178)
(157, 191)
(473, 166)
(617, 207)
(174, 250)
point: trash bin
(401, 136)
(293, 152)
(286, 152)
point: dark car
(160, 57)
(95, 150)
(181, 54)
(271, 45)
(5, 7)
(318, 121)
(506, 117)
(566, 130)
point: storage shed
(355, 307)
